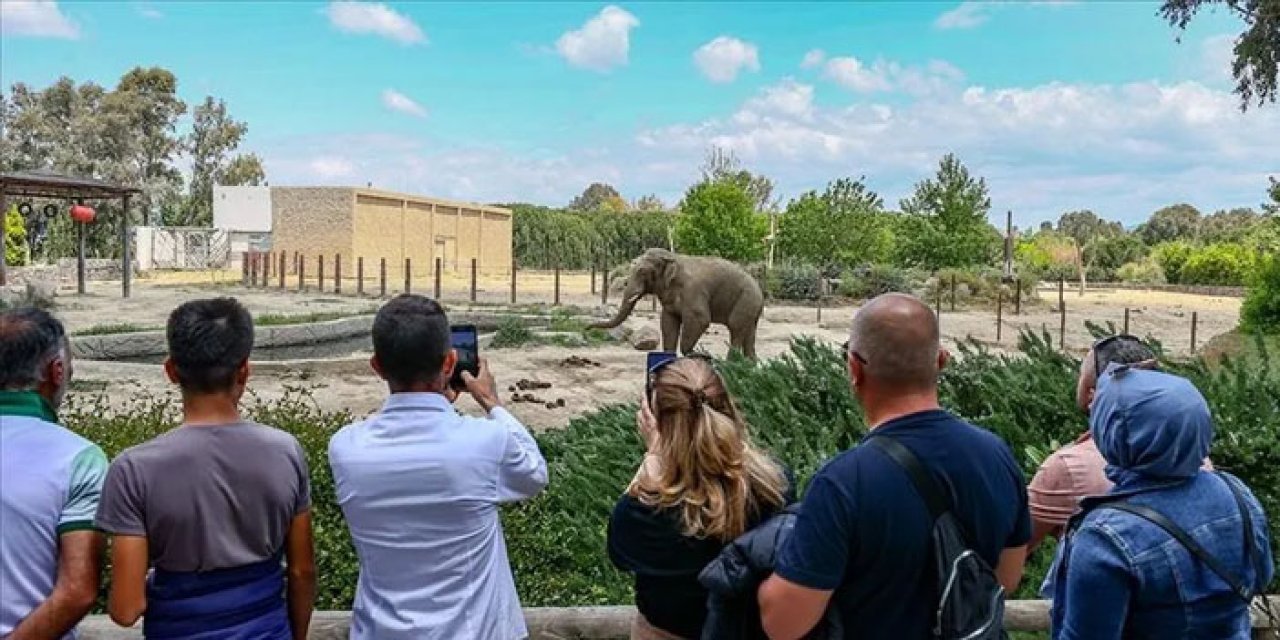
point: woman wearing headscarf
(1173, 551)
(701, 485)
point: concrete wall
(242, 208)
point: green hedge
(799, 407)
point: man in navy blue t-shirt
(862, 540)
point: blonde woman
(701, 485)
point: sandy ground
(348, 383)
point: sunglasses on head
(856, 356)
(652, 374)
(1098, 365)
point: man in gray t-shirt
(212, 507)
(208, 497)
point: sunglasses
(856, 356)
(652, 373)
(1098, 365)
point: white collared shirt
(419, 486)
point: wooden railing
(556, 623)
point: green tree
(945, 222)
(1109, 253)
(1172, 257)
(1260, 312)
(1273, 193)
(846, 226)
(1176, 222)
(1229, 225)
(145, 103)
(599, 197)
(718, 218)
(1086, 230)
(15, 237)
(1219, 264)
(722, 164)
(650, 202)
(213, 139)
(1257, 50)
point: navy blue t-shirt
(864, 532)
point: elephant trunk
(623, 312)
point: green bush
(975, 287)
(1218, 264)
(799, 408)
(1172, 256)
(15, 248)
(869, 282)
(790, 281)
(1260, 312)
(1144, 272)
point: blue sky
(1060, 105)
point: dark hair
(410, 339)
(208, 341)
(1119, 349)
(29, 339)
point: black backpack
(970, 602)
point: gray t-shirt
(208, 497)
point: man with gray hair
(862, 540)
(50, 480)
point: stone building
(357, 222)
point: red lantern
(82, 214)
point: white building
(244, 213)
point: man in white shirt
(420, 486)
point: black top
(648, 542)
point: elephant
(694, 292)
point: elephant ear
(669, 276)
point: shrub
(790, 281)
(1260, 312)
(1218, 264)
(1172, 256)
(869, 282)
(511, 333)
(975, 287)
(1147, 271)
(15, 248)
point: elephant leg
(744, 340)
(690, 332)
(670, 330)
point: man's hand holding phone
(482, 387)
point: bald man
(862, 541)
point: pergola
(47, 184)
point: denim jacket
(1120, 576)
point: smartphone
(656, 359)
(466, 342)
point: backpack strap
(1155, 517)
(924, 482)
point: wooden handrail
(606, 623)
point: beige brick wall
(376, 224)
(312, 221)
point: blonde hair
(707, 466)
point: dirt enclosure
(584, 378)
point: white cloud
(331, 167)
(149, 11)
(724, 57)
(374, 18)
(966, 16)
(396, 101)
(1216, 54)
(814, 58)
(36, 18)
(884, 75)
(603, 41)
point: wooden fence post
(473, 280)
(999, 312)
(819, 299)
(382, 277)
(593, 275)
(1126, 320)
(556, 299)
(302, 269)
(320, 273)
(1017, 297)
(513, 281)
(1062, 311)
(439, 273)
(337, 273)
(250, 270)
(604, 283)
(266, 269)
(953, 292)
(284, 257)
(1195, 316)
(937, 303)
(360, 276)
(408, 277)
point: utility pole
(1008, 246)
